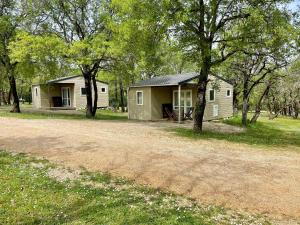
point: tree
(138, 43)
(10, 17)
(40, 57)
(82, 26)
(262, 97)
(3, 85)
(284, 95)
(202, 27)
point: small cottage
(159, 97)
(66, 93)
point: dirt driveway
(217, 172)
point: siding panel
(139, 112)
(46, 92)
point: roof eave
(164, 85)
(67, 78)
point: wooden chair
(171, 115)
(189, 113)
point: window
(103, 89)
(212, 95)
(228, 93)
(83, 91)
(185, 99)
(36, 92)
(139, 98)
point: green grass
(28, 113)
(29, 195)
(280, 132)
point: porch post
(179, 106)
(49, 99)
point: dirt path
(215, 172)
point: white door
(215, 110)
(185, 100)
(65, 95)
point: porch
(61, 96)
(173, 102)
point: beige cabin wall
(154, 97)
(44, 96)
(224, 103)
(139, 112)
(80, 100)
(35, 94)
(159, 96)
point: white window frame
(136, 95)
(81, 91)
(228, 96)
(69, 96)
(181, 91)
(103, 91)
(209, 95)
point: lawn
(37, 192)
(29, 113)
(281, 132)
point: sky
(293, 5)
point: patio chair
(171, 115)
(189, 113)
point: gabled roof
(171, 80)
(67, 78)
(61, 79)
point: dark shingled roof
(170, 80)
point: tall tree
(82, 25)
(262, 56)
(138, 43)
(10, 17)
(40, 57)
(205, 26)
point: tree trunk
(9, 97)
(296, 109)
(235, 102)
(121, 96)
(201, 87)
(116, 90)
(284, 111)
(89, 98)
(94, 110)
(271, 117)
(245, 111)
(269, 107)
(200, 102)
(245, 100)
(4, 98)
(13, 88)
(290, 110)
(258, 105)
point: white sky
(293, 5)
